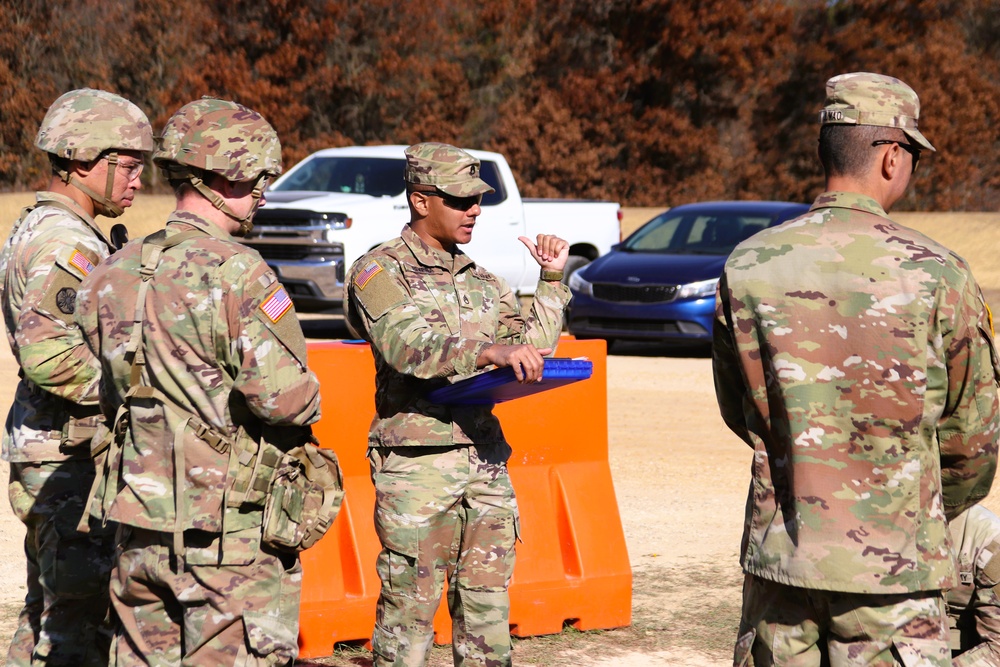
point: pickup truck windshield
(377, 177)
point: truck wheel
(573, 264)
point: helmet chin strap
(246, 222)
(103, 205)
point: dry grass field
(680, 480)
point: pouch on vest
(304, 498)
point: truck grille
(634, 293)
(314, 253)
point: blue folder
(500, 385)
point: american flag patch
(276, 305)
(80, 261)
(370, 271)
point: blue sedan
(659, 283)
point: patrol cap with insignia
(450, 170)
(863, 98)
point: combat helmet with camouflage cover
(224, 138)
(86, 124)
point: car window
(706, 234)
(377, 177)
(489, 172)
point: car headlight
(698, 290)
(577, 283)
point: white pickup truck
(338, 203)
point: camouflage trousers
(65, 616)
(799, 627)
(443, 514)
(196, 615)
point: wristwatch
(552, 276)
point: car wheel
(573, 264)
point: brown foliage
(649, 102)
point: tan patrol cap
(863, 98)
(450, 170)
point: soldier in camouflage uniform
(974, 604)
(95, 142)
(855, 357)
(214, 350)
(444, 502)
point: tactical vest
(287, 500)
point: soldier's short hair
(846, 150)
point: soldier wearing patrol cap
(95, 142)
(855, 357)
(444, 502)
(201, 355)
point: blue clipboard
(500, 385)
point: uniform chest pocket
(480, 310)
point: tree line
(646, 102)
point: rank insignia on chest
(276, 305)
(80, 261)
(371, 270)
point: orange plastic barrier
(572, 565)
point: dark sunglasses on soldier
(456, 203)
(914, 151)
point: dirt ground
(680, 479)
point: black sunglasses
(456, 203)
(909, 148)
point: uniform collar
(429, 256)
(194, 220)
(851, 200)
(65, 202)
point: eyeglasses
(456, 203)
(133, 169)
(909, 148)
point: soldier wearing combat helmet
(96, 142)
(443, 494)
(215, 360)
(855, 357)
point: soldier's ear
(418, 201)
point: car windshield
(378, 177)
(357, 175)
(695, 233)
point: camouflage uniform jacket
(221, 342)
(855, 357)
(428, 317)
(43, 261)
(974, 604)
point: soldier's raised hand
(549, 251)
